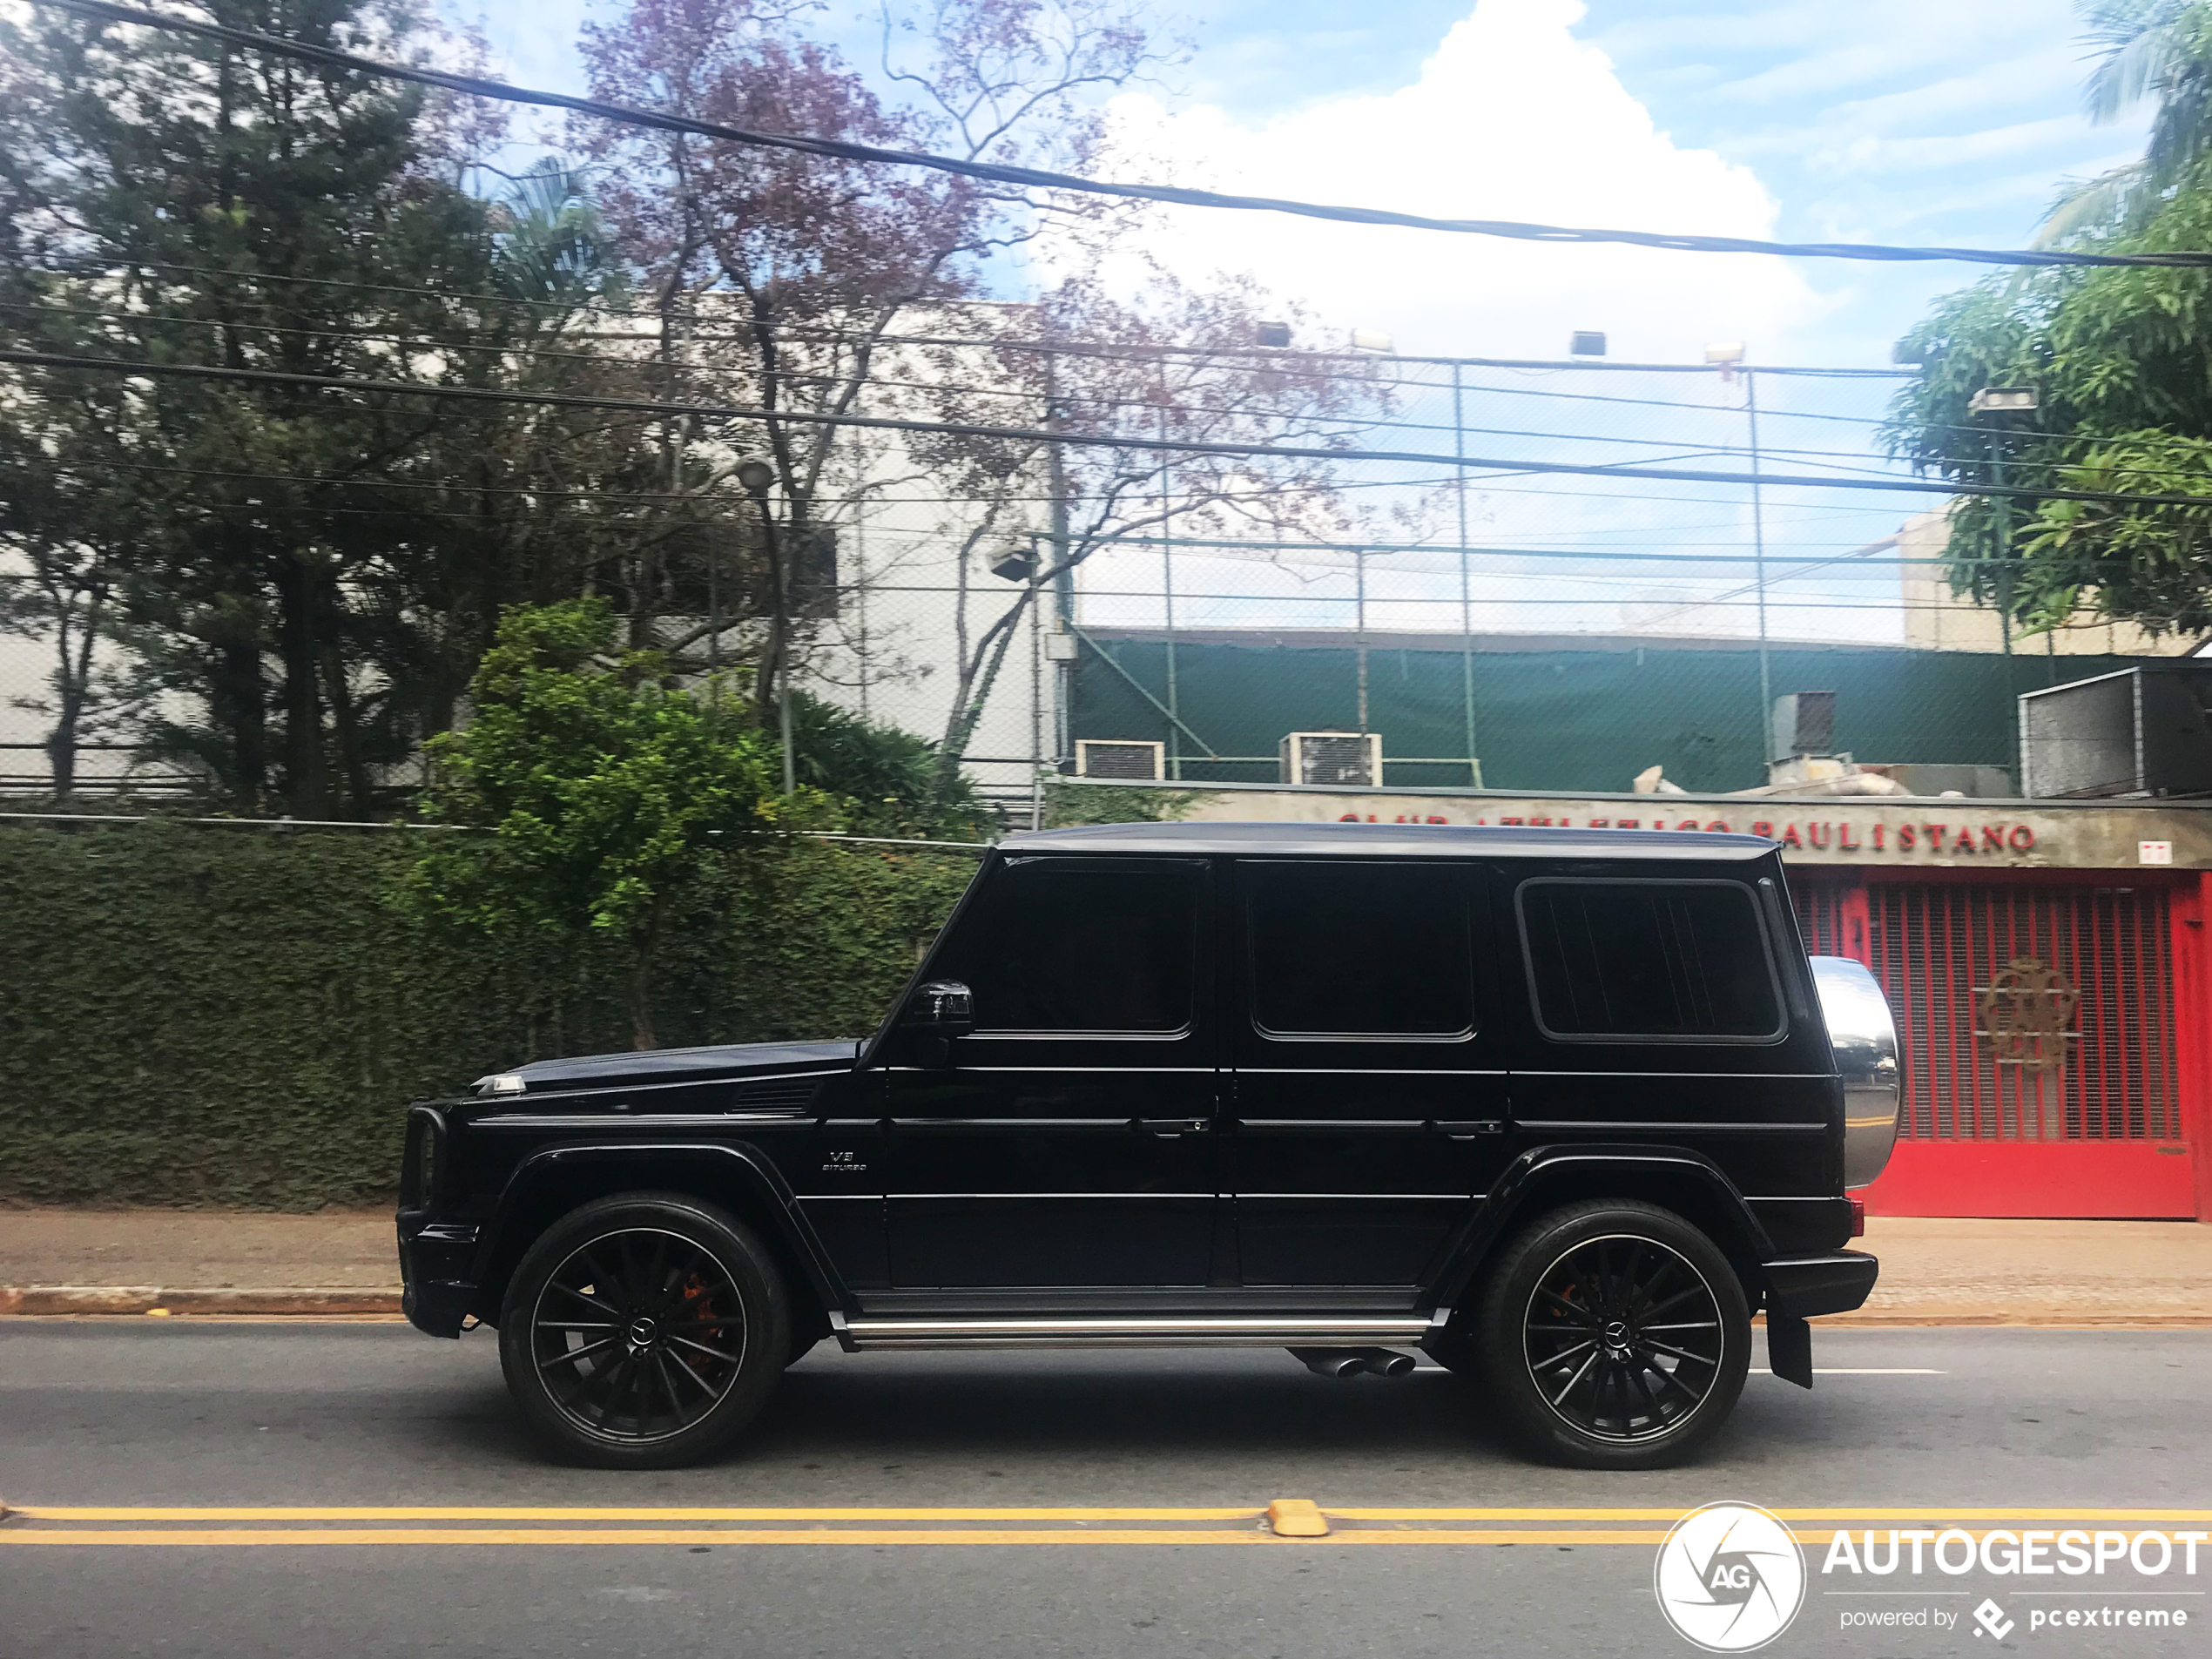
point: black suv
(1561, 1107)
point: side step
(1278, 1330)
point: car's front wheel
(1614, 1335)
(643, 1331)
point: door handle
(1470, 1129)
(1170, 1128)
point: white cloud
(1512, 118)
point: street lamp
(755, 475)
(2003, 400)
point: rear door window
(1648, 962)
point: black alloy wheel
(1616, 1335)
(643, 1331)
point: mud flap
(1788, 1348)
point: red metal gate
(2037, 1026)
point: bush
(238, 1016)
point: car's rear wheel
(1614, 1335)
(643, 1331)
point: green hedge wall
(236, 1016)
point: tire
(643, 1332)
(1648, 1385)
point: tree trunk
(358, 786)
(967, 712)
(637, 995)
(73, 691)
(239, 705)
(305, 786)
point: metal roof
(1393, 841)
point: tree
(306, 577)
(2121, 360)
(1168, 362)
(2155, 49)
(601, 797)
(886, 781)
(778, 277)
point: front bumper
(436, 1262)
(1802, 1287)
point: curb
(158, 1301)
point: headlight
(419, 1169)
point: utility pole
(1063, 583)
(1167, 574)
(1466, 586)
(1758, 548)
(1360, 602)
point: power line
(1034, 435)
(1039, 179)
(409, 345)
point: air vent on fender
(777, 1094)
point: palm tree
(2160, 48)
(550, 243)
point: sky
(1886, 120)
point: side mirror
(936, 1014)
(943, 1007)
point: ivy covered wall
(235, 1016)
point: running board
(1279, 1331)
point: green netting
(1563, 719)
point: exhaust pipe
(1351, 1362)
(1331, 1362)
(1386, 1362)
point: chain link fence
(1489, 620)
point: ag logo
(1729, 1577)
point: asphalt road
(139, 1415)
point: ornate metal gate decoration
(2026, 1012)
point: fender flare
(1527, 1183)
(739, 1166)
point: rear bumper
(1801, 1287)
(437, 1294)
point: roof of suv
(1394, 841)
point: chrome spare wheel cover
(1862, 1034)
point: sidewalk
(188, 1262)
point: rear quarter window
(1622, 961)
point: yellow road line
(640, 1537)
(1865, 1513)
(635, 1537)
(95, 1513)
